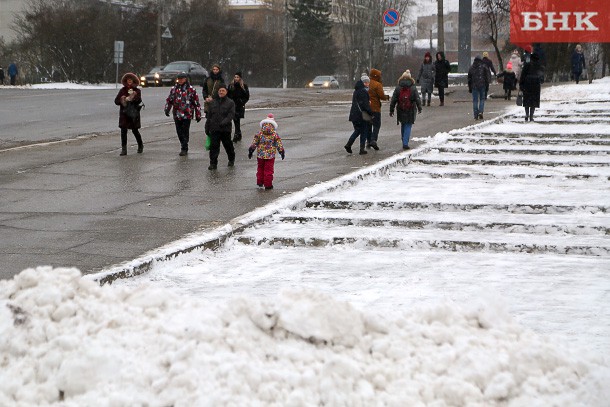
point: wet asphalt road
(68, 199)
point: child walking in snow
(267, 141)
(510, 80)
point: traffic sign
(392, 39)
(167, 33)
(391, 17)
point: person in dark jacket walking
(184, 101)
(218, 125)
(489, 63)
(405, 99)
(1, 76)
(13, 72)
(210, 86)
(426, 77)
(532, 77)
(478, 83)
(239, 94)
(578, 63)
(509, 80)
(360, 104)
(129, 94)
(441, 75)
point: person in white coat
(515, 60)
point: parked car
(151, 78)
(196, 73)
(324, 82)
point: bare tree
(495, 22)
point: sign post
(391, 31)
(118, 57)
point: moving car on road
(195, 72)
(151, 78)
(324, 82)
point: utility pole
(464, 35)
(159, 12)
(285, 67)
(440, 31)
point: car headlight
(326, 84)
(142, 79)
(156, 75)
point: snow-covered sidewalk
(478, 274)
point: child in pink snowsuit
(267, 141)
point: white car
(324, 82)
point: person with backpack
(479, 77)
(426, 76)
(441, 75)
(405, 99)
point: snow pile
(64, 337)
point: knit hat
(182, 75)
(427, 54)
(365, 78)
(131, 76)
(222, 86)
(269, 120)
(216, 66)
(509, 65)
(485, 54)
(238, 73)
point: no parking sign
(391, 17)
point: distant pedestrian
(479, 77)
(376, 95)
(1, 76)
(184, 102)
(509, 80)
(360, 109)
(266, 142)
(405, 100)
(531, 79)
(239, 94)
(578, 63)
(13, 72)
(441, 76)
(426, 78)
(210, 87)
(218, 126)
(515, 60)
(128, 99)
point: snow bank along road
(514, 207)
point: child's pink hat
(509, 65)
(270, 120)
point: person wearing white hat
(267, 142)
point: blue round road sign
(391, 17)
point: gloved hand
(419, 111)
(198, 119)
(283, 154)
(391, 113)
(167, 113)
(250, 152)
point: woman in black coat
(532, 77)
(128, 95)
(239, 94)
(360, 103)
(441, 75)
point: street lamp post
(285, 67)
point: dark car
(195, 72)
(324, 82)
(151, 78)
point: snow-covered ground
(476, 274)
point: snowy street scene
(470, 271)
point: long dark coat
(220, 116)
(532, 77)
(405, 116)
(126, 122)
(441, 71)
(360, 102)
(240, 94)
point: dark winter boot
(363, 152)
(123, 142)
(375, 146)
(348, 148)
(442, 103)
(140, 144)
(123, 150)
(237, 137)
(428, 102)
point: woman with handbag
(128, 99)
(360, 114)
